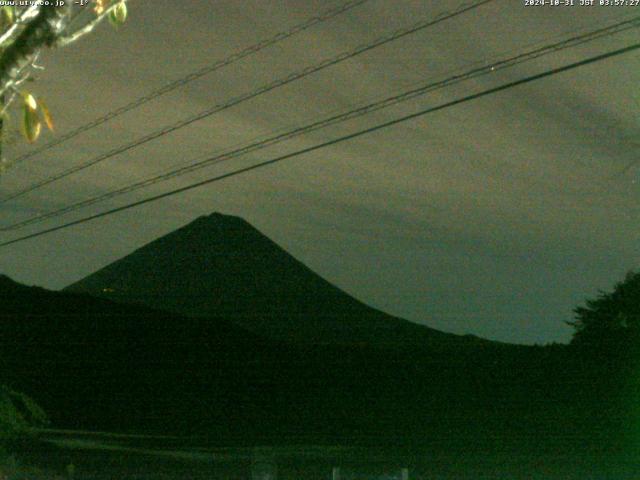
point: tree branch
(65, 40)
(30, 12)
(42, 31)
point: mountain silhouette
(92, 363)
(95, 364)
(220, 266)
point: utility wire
(169, 87)
(335, 141)
(250, 95)
(335, 119)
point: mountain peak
(218, 224)
(218, 217)
(220, 266)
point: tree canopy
(612, 319)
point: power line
(250, 95)
(351, 136)
(335, 119)
(173, 85)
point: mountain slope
(91, 363)
(94, 364)
(220, 266)
(97, 365)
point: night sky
(495, 217)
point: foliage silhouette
(610, 323)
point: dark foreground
(108, 456)
(446, 409)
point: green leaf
(31, 125)
(118, 14)
(30, 101)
